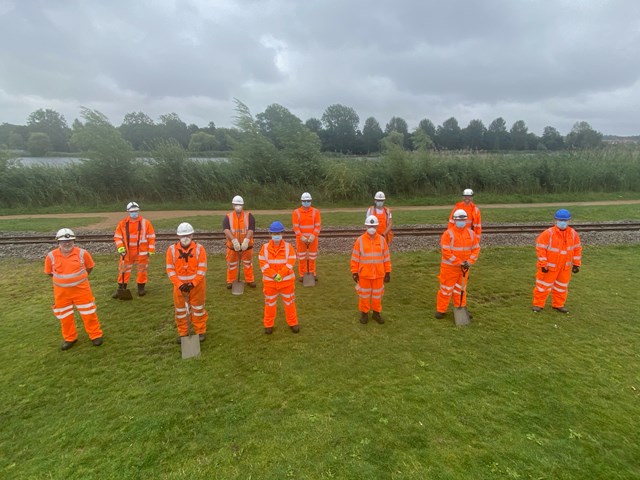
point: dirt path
(109, 219)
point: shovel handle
(185, 295)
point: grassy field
(514, 395)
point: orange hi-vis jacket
(559, 249)
(459, 245)
(239, 226)
(474, 219)
(277, 259)
(69, 271)
(306, 221)
(370, 257)
(135, 234)
(186, 265)
(383, 217)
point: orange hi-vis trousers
(141, 261)
(82, 297)
(450, 286)
(555, 282)
(370, 292)
(199, 315)
(232, 264)
(306, 252)
(271, 291)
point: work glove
(152, 253)
(465, 266)
(356, 277)
(575, 269)
(544, 270)
(304, 238)
(245, 244)
(236, 244)
(387, 277)
(184, 288)
(311, 238)
(122, 251)
(278, 277)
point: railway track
(416, 231)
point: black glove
(544, 270)
(465, 266)
(575, 269)
(387, 277)
(356, 277)
(186, 287)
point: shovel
(460, 314)
(189, 344)
(237, 287)
(308, 279)
(123, 293)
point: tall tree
(582, 136)
(174, 128)
(420, 140)
(278, 124)
(449, 135)
(551, 139)
(428, 127)
(340, 124)
(139, 130)
(38, 144)
(54, 125)
(371, 135)
(519, 135)
(473, 135)
(398, 124)
(497, 135)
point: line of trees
(338, 131)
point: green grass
(46, 224)
(515, 395)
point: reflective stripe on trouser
(82, 298)
(304, 252)
(199, 315)
(554, 282)
(126, 264)
(232, 264)
(450, 286)
(370, 292)
(271, 293)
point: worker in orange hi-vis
(383, 214)
(474, 219)
(135, 240)
(277, 261)
(239, 227)
(306, 223)
(559, 255)
(69, 267)
(460, 249)
(370, 269)
(186, 268)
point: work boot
(364, 317)
(202, 337)
(67, 345)
(97, 341)
(252, 284)
(121, 286)
(300, 279)
(376, 316)
(179, 339)
(439, 315)
(268, 330)
(561, 309)
(229, 286)
(315, 277)
(295, 328)
(141, 290)
(535, 309)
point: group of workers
(558, 256)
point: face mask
(371, 231)
(461, 223)
(561, 225)
(133, 215)
(276, 238)
(379, 204)
(237, 208)
(306, 204)
(185, 241)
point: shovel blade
(190, 346)
(461, 316)
(237, 287)
(308, 280)
(125, 294)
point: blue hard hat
(563, 214)
(276, 227)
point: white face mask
(561, 224)
(379, 203)
(276, 238)
(461, 223)
(306, 203)
(185, 241)
(371, 230)
(134, 215)
(237, 208)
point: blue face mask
(561, 224)
(133, 215)
(461, 223)
(306, 204)
(276, 238)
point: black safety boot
(439, 315)
(376, 316)
(229, 286)
(268, 330)
(561, 309)
(67, 345)
(97, 341)
(251, 284)
(536, 309)
(141, 291)
(121, 286)
(202, 337)
(364, 317)
(295, 328)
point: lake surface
(63, 161)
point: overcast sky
(547, 62)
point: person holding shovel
(370, 269)
(238, 227)
(135, 240)
(306, 223)
(69, 267)
(559, 255)
(460, 249)
(186, 268)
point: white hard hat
(65, 234)
(371, 221)
(306, 196)
(379, 196)
(184, 229)
(237, 200)
(467, 192)
(133, 207)
(460, 214)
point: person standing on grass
(277, 260)
(69, 267)
(135, 240)
(238, 227)
(559, 255)
(186, 268)
(460, 249)
(370, 269)
(383, 214)
(306, 223)
(474, 219)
